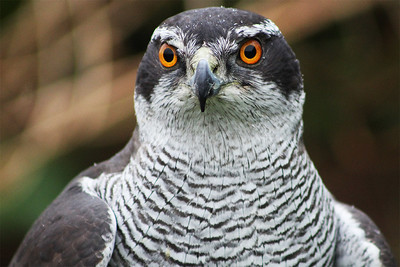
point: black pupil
(168, 54)
(250, 51)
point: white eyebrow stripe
(176, 37)
(173, 35)
(267, 27)
(166, 33)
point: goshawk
(216, 172)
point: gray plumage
(216, 172)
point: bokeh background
(67, 80)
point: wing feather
(359, 241)
(78, 228)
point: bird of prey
(216, 172)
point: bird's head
(219, 67)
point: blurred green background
(67, 80)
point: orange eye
(167, 55)
(250, 52)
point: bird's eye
(250, 52)
(167, 55)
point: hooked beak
(204, 83)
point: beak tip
(204, 83)
(203, 105)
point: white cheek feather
(267, 27)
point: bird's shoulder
(77, 229)
(359, 239)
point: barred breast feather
(182, 207)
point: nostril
(214, 69)
(191, 69)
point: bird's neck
(215, 151)
(211, 139)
